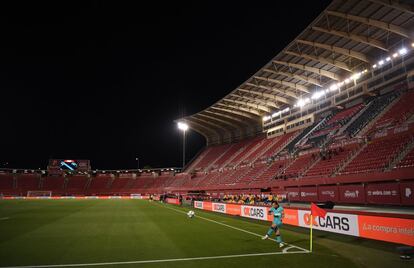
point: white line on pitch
(154, 261)
(236, 228)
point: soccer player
(278, 214)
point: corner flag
(315, 212)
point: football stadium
(307, 163)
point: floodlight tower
(183, 127)
(137, 159)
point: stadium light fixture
(276, 114)
(317, 95)
(402, 51)
(302, 102)
(183, 127)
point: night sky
(105, 81)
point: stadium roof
(347, 37)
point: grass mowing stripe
(236, 228)
(156, 261)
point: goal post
(39, 193)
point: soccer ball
(190, 214)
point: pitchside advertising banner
(333, 222)
(174, 201)
(258, 213)
(390, 229)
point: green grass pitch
(128, 233)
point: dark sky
(105, 81)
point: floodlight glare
(276, 114)
(182, 126)
(402, 51)
(300, 103)
(265, 118)
(317, 95)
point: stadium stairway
(252, 174)
(299, 165)
(227, 147)
(378, 107)
(305, 133)
(243, 148)
(270, 172)
(398, 113)
(280, 143)
(246, 152)
(349, 159)
(355, 117)
(407, 150)
(378, 153)
(378, 117)
(408, 160)
(190, 166)
(328, 163)
(257, 152)
(234, 150)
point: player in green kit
(277, 212)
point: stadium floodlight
(375, 66)
(356, 76)
(388, 59)
(403, 51)
(395, 55)
(381, 62)
(183, 127)
(300, 103)
(317, 95)
(276, 114)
